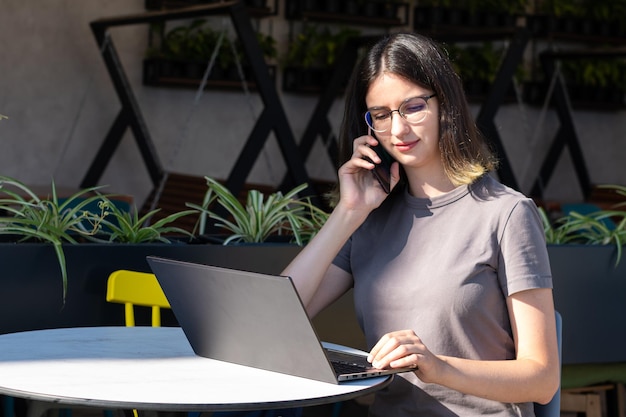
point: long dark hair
(418, 59)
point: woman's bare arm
(533, 376)
(318, 282)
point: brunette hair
(418, 59)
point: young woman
(450, 270)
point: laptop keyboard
(346, 367)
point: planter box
(175, 4)
(31, 289)
(357, 12)
(454, 18)
(306, 80)
(160, 72)
(589, 291)
(596, 97)
(590, 294)
(581, 96)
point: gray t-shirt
(444, 267)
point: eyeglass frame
(425, 98)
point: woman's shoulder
(488, 188)
(504, 202)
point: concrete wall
(60, 103)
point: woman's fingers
(397, 349)
(362, 147)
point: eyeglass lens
(413, 110)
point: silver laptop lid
(243, 317)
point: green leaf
(262, 216)
(602, 227)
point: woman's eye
(414, 108)
(381, 115)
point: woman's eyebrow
(378, 108)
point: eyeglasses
(414, 110)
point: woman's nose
(399, 125)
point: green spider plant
(47, 220)
(119, 225)
(602, 227)
(278, 214)
(27, 217)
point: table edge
(127, 405)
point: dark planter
(455, 16)
(258, 4)
(30, 282)
(428, 17)
(351, 7)
(590, 294)
(595, 97)
(375, 9)
(542, 25)
(569, 25)
(161, 72)
(306, 80)
(476, 89)
(172, 4)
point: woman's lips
(405, 146)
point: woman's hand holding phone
(357, 190)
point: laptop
(253, 319)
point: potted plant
(478, 64)
(311, 56)
(55, 220)
(268, 47)
(437, 14)
(585, 249)
(595, 81)
(587, 18)
(180, 56)
(258, 6)
(495, 13)
(259, 220)
(431, 14)
(87, 245)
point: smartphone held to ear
(382, 171)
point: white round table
(149, 368)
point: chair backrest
(553, 408)
(132, 289)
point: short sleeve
(524, 262)
(342, 260)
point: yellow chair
(132, 289)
